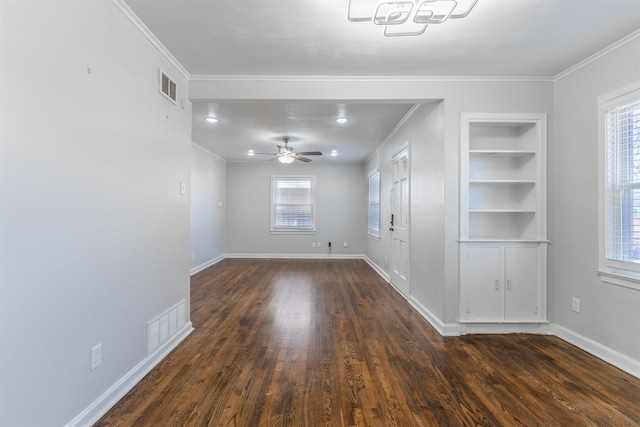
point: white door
(522, 296)
(400, 222)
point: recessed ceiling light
(342, 120)
(212, 119)
(334, 153)
(251, 153)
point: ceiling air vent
(168, 87)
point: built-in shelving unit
(503, 218)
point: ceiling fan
(287, 154)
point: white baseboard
(207, 264)
(109, 398)
(539, 328)
(295, 256)
(377, 268)
(617, 359)
(444, 329)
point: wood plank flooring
(329, 343)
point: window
(374, 204)
(620, 140)
(292, 204)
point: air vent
(166, 326)
(168, 87)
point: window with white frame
(620, 138)
(293, 204)
(374, 204)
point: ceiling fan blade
(302, 159)
(310, 153)
(268, 154)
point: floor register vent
(165, 326)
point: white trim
(117, 391)
(294, 230)
(614, 271)
(294, 256)
(444, 329)
(378, 79)
(398, 126)
(539, 328)
(377, 268)
(206, 150)
(151, 37)
(613, 357)
(206, 264)
(629, 280)
(598, 55)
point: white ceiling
(499, 38)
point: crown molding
(374, 79)
(124, 8)
(631, 37)
(206, 150)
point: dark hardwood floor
(329, 343)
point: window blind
(374, 204)
(292, 203)
(622, 191)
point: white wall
(423, 131)
(610, 314)
(208, 207)
(341, 209)
(94, 231)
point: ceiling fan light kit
(286, 159)
(287, 154)
(407, 17)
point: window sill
(625, 278)
(293, 232)
(374, 237)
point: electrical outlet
(575, 302)
(346, 244)
(329, 244)
(96, 356)
(313, 244)
(319, 244)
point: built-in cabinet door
(522, 290)
(483, 288)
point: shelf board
(502, 211)
(502, 239)
(501, 181)
(510, 153)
